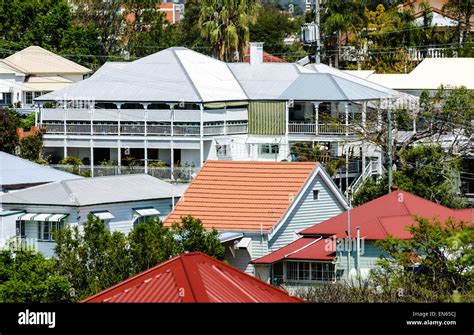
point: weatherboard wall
(307, 213)
(368, 259)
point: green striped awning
(267, 118)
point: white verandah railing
(183, 174)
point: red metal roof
(305, 248)
(387, 215)
(192, 277)
(249, 195)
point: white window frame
(292, 268)
(52, 225)
(268, 149)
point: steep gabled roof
(247, 195)
(386, 216)
(98, 190)
(192, 277)
(36, 60)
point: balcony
(180, 174)
(313, 129)
(140, 129)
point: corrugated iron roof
(387, 215)
(98, 190)
(192, 277)
(18, 171)
(249, 195)
(305, 248)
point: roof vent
(394, 188)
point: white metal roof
(18, 171)
(92, 191)
(147, 211)
(175, 74)
(179, 74)
(103, 215)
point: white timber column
(287, 129)
(379, 117)
(119, 142)
(37, 109)
(145, 107)
(201, 134)
(316, 117)
(363, 157)
(364, 114)
(346, 111)
(172, 141)
(364, 124)
(64, 131)
(92, 142)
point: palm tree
(341, 17)
(225, 25)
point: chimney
(256, 53)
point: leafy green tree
(151, 244)
(27, 277)
(189, 29)
(32, 146)
(434, 265)
(338, 18)
(191, 236)
(425, 170)
(226, 24)
(9, 121)
(462, 10)
(103, 19)
(94, 259)
(145, 28)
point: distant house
(192, 277)
(119, 201)
(259, 207)
(34, 71)
(439, 17)
(173, 12)
(17, 173)
(320, 255)
(428, 75)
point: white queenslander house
(181, 108)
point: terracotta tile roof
(242, 195)
(305, 248)
(192, 277)
(387, 215)
(267, 58)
